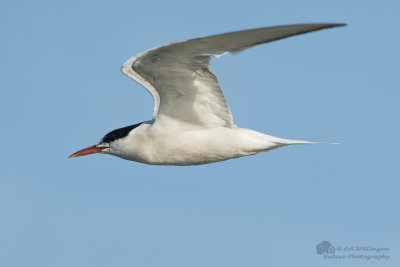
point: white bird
(192, 123)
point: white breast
(153, 144)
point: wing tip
(337, 24)
(322, 25)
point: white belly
(192, 147)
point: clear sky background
(61, 90)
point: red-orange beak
(87, 151)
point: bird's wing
(179, 78)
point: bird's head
(108, 143)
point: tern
(192, 123)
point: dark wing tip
(337, 24)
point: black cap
(118, 133)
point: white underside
(155, 144)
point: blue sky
(62, 90)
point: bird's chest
(189, 148)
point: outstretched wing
(179, 78)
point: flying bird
(192, 123)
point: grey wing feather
(178, 75)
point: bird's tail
(297, 142)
